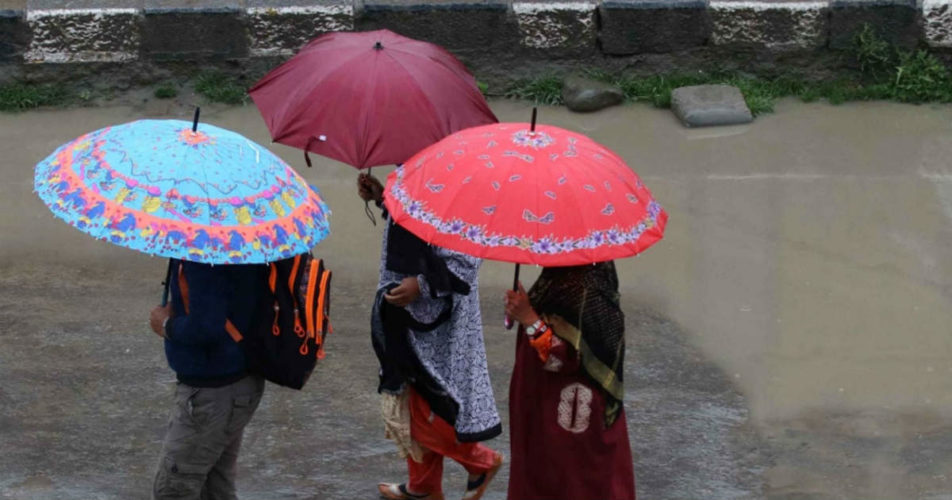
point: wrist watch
(536, 328)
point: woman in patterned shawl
(428, 335)
(567, 424)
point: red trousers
(438, 438)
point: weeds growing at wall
(23, 96)
(219, 87)
(544, 90)
(885, 73)
(166, 90)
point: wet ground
(788, 340)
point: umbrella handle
(515, 288)
(166, 284)
(367, 210)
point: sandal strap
(476, 483)
(403, 489)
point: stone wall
(492, 36)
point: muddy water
(808, 257)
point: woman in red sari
(568, 431)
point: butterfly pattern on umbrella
(541, 188)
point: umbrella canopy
(158, 186)
(369, 98)
(550, 197)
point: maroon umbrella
(369, 98)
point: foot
(393, 491)
(476, 487)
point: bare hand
(518, 307)
(405, 293)
(369, 188)
(157, 317)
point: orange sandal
(475, 489)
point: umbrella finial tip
(378, 45)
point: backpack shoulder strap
(183, 289)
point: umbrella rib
(412, 75)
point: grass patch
(885, 73)
(23, 96)
(219, 87)
(546, 90)
(165, 91)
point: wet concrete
(788, 339)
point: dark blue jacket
(198, 348)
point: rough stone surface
(560, 27)
(897, 21)
(582, 94)
(649, 26)
(14, 35)
(937, 22)
(283, 29)
(171, 32)
(778, 26)
(83, 35)
(484, 28)
(709, 105)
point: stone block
(710, 105)
(773, 25)
(584, 95)
(281, 28)
(896, 21)
(179, 30)
(653, 26)
(14, 34)
(482, 27)
(83, 31)
(559, 28)
(937, 22)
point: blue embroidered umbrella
(168, 189)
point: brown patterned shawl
(581, 304)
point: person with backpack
(215, 396)
(437, 399)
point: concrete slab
(484, 27)
(83, 31)
(652, 26)
(14, 32)
(193, 5)
(896, 21)
(282, 27)
(937, 22)
(84, 4)
(190, 30)
(559, 28)
(774, 25)
(710, 105)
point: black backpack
(287, 335)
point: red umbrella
(516, 193)
(369, 98)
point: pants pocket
(176, 480)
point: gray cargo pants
(200, 451)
